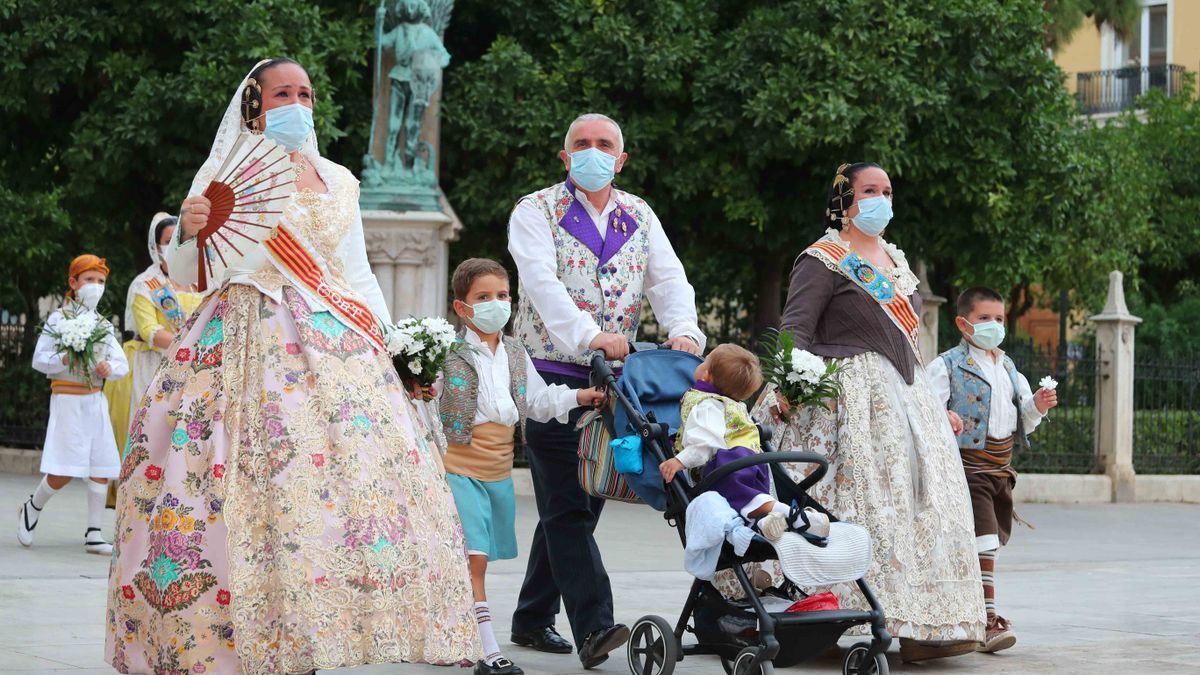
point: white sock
(97, 494)
(43, 493)
(491, 648)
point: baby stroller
(647, 398)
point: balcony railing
(1109, 91)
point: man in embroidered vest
(586, 254)
(991, 408)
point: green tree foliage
(737, 113)
(109, 108)
(1067, 16)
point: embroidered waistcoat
(460, 398)
(607, 284)
(971, 396)
(740, 429)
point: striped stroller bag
(597, 473)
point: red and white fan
(248, 196)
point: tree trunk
(1020, 301)
(768, 292)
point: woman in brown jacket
(894, 465)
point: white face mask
(89, 295)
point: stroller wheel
(858, 661)
(744, 663)
(652, 647)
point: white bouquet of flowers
(419, 348)
(801, 377)
(82, 338)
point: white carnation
(808, 366)
(1048, 383)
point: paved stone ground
(1096, 589)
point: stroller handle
(766, 458)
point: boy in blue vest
(488, 391)
(991, 408)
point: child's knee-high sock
(97, 493)
(491, 648)
(987, 571)
(42, 494)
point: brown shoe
(999, 636)
(916, 650)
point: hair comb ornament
(247, 196)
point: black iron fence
(24, 392)
(1109, 91)
(1166, 417)
(1064, 443)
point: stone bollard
(930, 306)
(1114, 390)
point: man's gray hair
(592, 117)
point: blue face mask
(491, 316)
(592, 169)
(289, 125)
(988, 334)
(874, 214)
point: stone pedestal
(1114, 390)
(409, 252)
(930, 306)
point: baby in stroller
(664, 392)
(717, 429)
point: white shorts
(79, 438)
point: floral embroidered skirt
(280, 510)
(894, 469)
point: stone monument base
(409, 252)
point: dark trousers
(564, 561)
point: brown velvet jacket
(830, 316)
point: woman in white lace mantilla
(280, 510)
(894, 464)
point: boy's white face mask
(89, 295)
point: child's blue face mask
(988, 334)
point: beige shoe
(772, 526)
(818, 523)
(914, 650)
(999, 635)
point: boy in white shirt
(79, 436)
(991, 409)
(488, 392)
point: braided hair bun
(841, 193)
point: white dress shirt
(543, 402)
(572, 330)
(703, 433)
(1002, 417)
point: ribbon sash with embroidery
(165, 299)
(865, 276)
(574, 218)
(296, 261)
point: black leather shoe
(596, 647)
(542, 639)
(503, 667)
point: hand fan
(247, 196)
